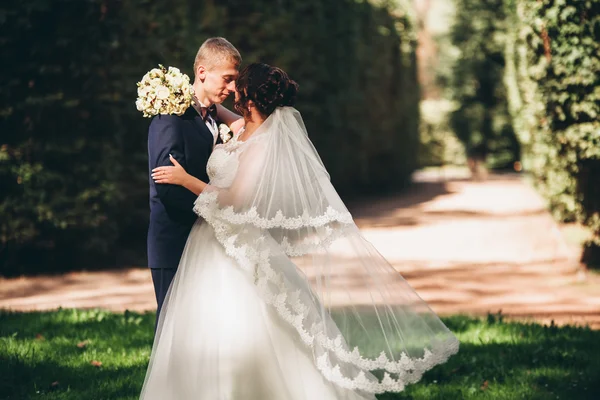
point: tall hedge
(555, 79)
(481, 120)
(539, 63)
(73, 147)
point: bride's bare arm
(176, 175)
(225, 115)
(231, 119)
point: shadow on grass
(25, 378)
(40, 357)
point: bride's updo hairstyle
(267, 87)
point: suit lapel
(197, 121)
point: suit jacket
(190, 142)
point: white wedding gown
(218, 340)
(278, 296)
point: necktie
(206, 111)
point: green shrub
(528, 83)
(439, 145)
(556, 102)
(482, 120)
(73, 164)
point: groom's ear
(201, 72)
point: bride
(277, 295)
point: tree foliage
(557, 102)
(73, 163)
(539, 63)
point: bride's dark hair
(268, 87)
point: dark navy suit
(190, 142)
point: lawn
(93, 355)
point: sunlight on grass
(72, 354)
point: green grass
(497, 360)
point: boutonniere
(225, 133)
(164, 91)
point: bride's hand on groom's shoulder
(174, 175)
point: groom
(190, 139)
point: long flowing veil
(285, 224)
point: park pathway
(466, 247)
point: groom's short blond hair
(215, 51)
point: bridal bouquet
(164, 91)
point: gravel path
(466, 247)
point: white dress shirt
(210, 121)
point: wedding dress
(278, 296)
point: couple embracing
(265, 287)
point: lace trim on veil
(255, 259)
(278, 221)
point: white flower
(143, 91)
(164, 91)
(157, 73)
(175, 81)
(225, 133)
(178, 81)
(187, 90)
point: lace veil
(284, 223)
